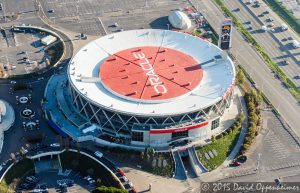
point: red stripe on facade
(164, 131)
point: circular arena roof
(152, 72)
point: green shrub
(240, 77)
(104, 189)
(213, 138)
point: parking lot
(96, 17)
(54, 181)
(21, 53)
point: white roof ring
(86, 66)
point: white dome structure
(179, 20)
(2, 108)
(152, 86)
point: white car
(55, 145)
(98, 154)
(92, 181)
(13, 82)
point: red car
(133, 190)
(236, 163)
(121, 172)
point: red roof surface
(150, 73)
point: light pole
(77, 12)
(4, 11)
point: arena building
(152, 87)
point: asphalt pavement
(265, 80)
(279, 49)
(15, 137)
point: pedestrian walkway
(180, 173)
(159, 184)
(195, 162)
(7, 119)
(54, 111)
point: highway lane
(280, 97)
(270, 41)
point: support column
(59, 161)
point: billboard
(225, 37)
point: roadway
(245, 55)
(276, 44)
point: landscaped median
(215, 153)
(272, 64)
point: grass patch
(223, 146)
(88, 166)
(285, 14)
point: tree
(152, 152)
(213, 138)
(251, 107)
(245, 146)
(259, 99)
(240, 76)
(241, 117)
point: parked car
(92, 181)
(242, 159)
(278, 182)
(236, 163)
(98, 154)
(121, 172)
(55, 145)
(88, 178)
(271, 25)
(286, 62)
